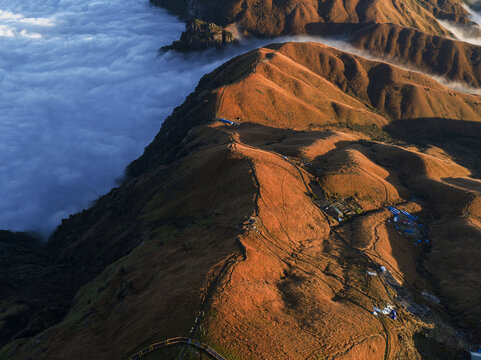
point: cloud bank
(83, 91)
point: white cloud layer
(83, 91)
(475, 15)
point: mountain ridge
(210, 201)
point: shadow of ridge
(460, 139)
(465, 183)
(431, 349)
(283, 140)
(336, 29)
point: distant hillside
(455, 60)
(408, 33)
(272, 18)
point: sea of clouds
(83, 91)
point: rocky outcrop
(199, 35)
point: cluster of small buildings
(342, 210)
(409, 225)
(388, 310)
(475, 355)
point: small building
(475, 355)
(228, 122)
